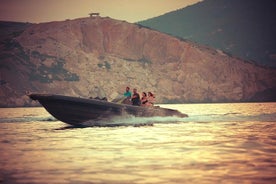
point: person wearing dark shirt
(135, 98)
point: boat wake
(132, 121)
(27, 119)
(129, 120)
(231, 117)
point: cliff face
(100, 56)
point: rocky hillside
(243, 28)
(100, 56)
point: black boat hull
(75, 111)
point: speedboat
(76, 110)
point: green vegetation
(104, 65)
(42, 57)
(14, 52)
(55, 71)
(12, 46)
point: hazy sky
(50, 10)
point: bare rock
(99, 57)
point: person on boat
(135, 99)
(144, 99)
(123, 98)
(151, 99)
(127, 94)
(127, 97)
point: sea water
(217, 143)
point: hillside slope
(243, 28)
(100, 56)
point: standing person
(151, 98)
(135, 98)
(144, 99)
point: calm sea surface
(218, 143)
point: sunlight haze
(36, 11)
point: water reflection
(183, 152)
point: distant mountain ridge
(242, 28)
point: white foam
(133, 121)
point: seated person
(151, 99)
(127, 94)
(124, 99)
(135, 98)
(144, 99)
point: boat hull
(75, 111)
